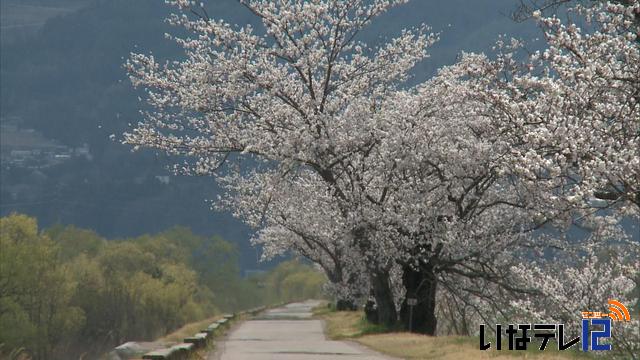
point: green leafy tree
(67, 291)
(35, 292)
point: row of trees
(459, 192)
(65, 292)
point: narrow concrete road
(287, 333)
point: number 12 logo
(596, 334)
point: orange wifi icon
(619, 312)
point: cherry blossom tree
(414, 192)
(298, 214)
(576, 107)
(525, 9)
(585, 117)
(452, 210)
(569, 116)
(278, 95)
(584, 279)
(508, 149)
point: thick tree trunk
(335, 276)
(380, 284)
(421, 285)
(386, 309)
(370, 311)
(342, 302)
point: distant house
(21, 153)
(22, 147)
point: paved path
(287, 333)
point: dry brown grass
(343, 324)
(413, 346)
(351, 325)
(188, 330)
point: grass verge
(188, 330)
(352, 325)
